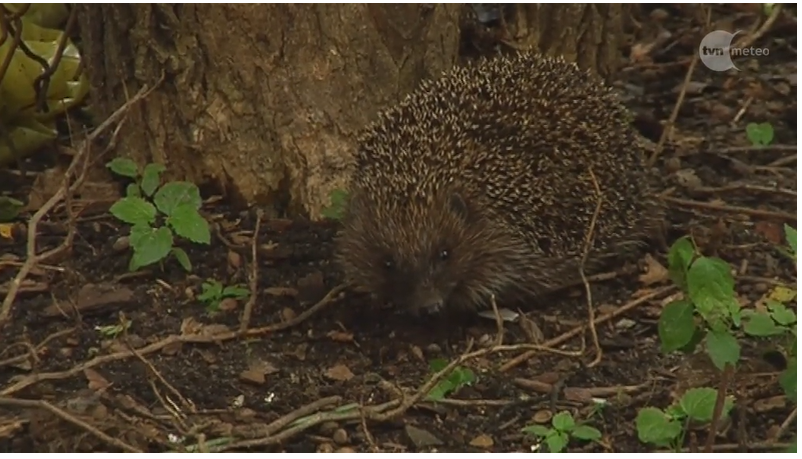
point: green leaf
(780, 313)
(211, 290)
(151, 178)
(557, 441)
(183, 258)
(711, 287)
(462, 376)
(339, 201)
(760, 134)
(790, 237)
(177, 194)
(586, 432)
(563, 421)
(679, 258)
(698, 403)
(151, 247)
(654, 427)
(722, 348)
(440, 391)
(761, 324)
(438, 364)
(676, 326)
(788, 380)
(133, 210)
(188, 223)
(537, 430)
(124, 167)
(133, 191)
(9, 208)
(235, 291)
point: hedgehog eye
(444, 254)
(389, 264)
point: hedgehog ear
(459, 206)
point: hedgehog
(483, 184)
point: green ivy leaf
(151, 247)
(438, 364)
(722, 348)
(177, 194)
(586, 432)
(676, 326)
(151, 178)
(183, 258)
(761, 324)
(711, 287)
(124, 167)
(654, 427)
(679, 259)
(134, 211)
(760, 134)
(563, 421)
(188, 223)
(537, 430)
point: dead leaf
(421, 438)
(287, 314)
(172, 348)
(339, 372)
(96, 381)
(228, 304)
(770, 404)
(300, 351)
(773, 232)
(340, 336)
(655, 272)
(282, 291)
(94, 297)
(252, 376)
(577, 394)
(482, 441)
(234, 259)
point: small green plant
(760, 134)
(111, 331)
(458, 378)
(175, 204)
(336, 211)
(563, 429)
(665, 428)
(709, 314)
(213, 292)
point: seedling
(213, 292)
(336, 210)
(563, 429)
(175, 204)
(458, 378)
(760, 134)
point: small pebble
(340, 436)
(328, 428)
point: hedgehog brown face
(421, 255)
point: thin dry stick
(751, 38)
(254, 277)
(732, 209)
(71, 419)
(670, 126)
(32, 258)
(499, 322)
(578, 330)
(585, 252)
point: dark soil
(162, 383)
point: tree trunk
(264, 100)
(588, 34)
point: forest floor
(95, 358)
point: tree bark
(588, 34)
(264, 100)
